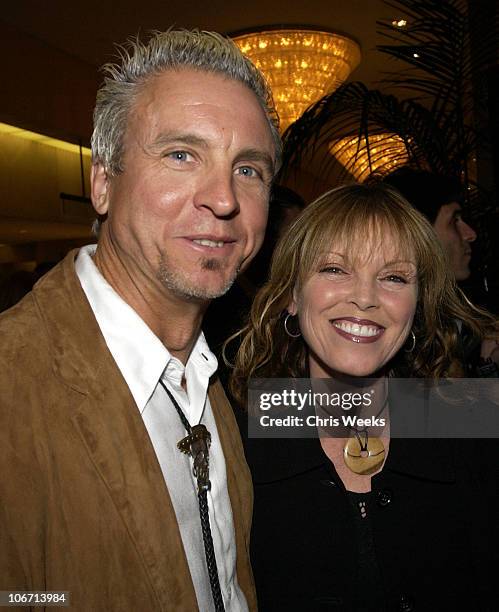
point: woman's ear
(293, 305)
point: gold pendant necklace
(364, 457)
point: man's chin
(219, 289)
(217, 279)
(213, 280)
(462, 274)
(206, 289)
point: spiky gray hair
(173, 49)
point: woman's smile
(358, 330)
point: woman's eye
(332, 270)
(396, 278)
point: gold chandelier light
(387, 152)
(301, 65)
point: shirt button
(384, 498)
(406, 604)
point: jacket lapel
(239, 486)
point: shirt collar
(138, 352)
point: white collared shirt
(143, 360)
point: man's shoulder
(21, 328)
(27, 327)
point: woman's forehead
(380, 243)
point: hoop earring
(286, 327)
(413, 343)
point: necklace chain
(197, 444)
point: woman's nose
(364, 294)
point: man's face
(190, 208)
(455, 236)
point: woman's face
(356, 308)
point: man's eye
(178, 156)
(248, 171)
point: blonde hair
(350, 215)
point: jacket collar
(278, 459)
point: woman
(359, 288)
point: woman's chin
(334, 369)
(358, 372)
(345, 365)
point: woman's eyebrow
(333, 254)
(394, 262)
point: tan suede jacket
(83, 504)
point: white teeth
(209, 243)
(355, 329)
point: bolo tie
(196, 444)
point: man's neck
(175, 321)
(179, 334)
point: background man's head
(285, 206)
(439, 198)
(185, 147)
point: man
(456, 237)
(439, 199)
(104, 368)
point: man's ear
(99, 187)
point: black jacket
(433, 511)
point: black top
(369, 596)
(430, 542)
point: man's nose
(467, 232)
(217, 193)
(364, 294)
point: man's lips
(211, 243)
(362, 331)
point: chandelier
(386, 152)
(301, 65)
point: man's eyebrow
(257, 155)
(186, 138)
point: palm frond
(354, 110)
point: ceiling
(88, 30)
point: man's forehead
(191, 87)
(199, 97)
